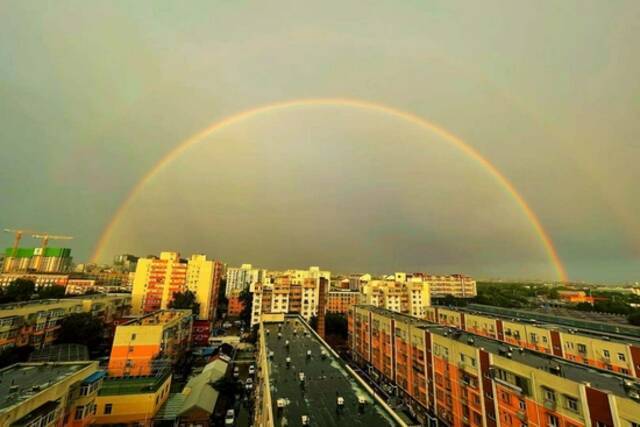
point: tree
(18, 290)
(246, 298)
(634, 318)
(583, 306)
(336, 324)
(51, 292)
(185, 299)
(13, 355)
(451, 301)
(82, 328)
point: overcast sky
(93, 94)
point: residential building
(239, 279)
(402, 295)
(234, 304)
(575, 297)
(156, 339)
(451, 377)
(125, 262)
(37, 322)
(132, 401)
(613, 352)
(310, 384)
(457, 285)
(157, 279)
(49, 394)
(291, 291)
(39, 279)
(341, 301)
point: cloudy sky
(93, 94)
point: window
(549, 394)
(79, 412)
(582, 348)
(571, 403)
(108, 407)
(523, 405)
(606, 353)
(552, 421)
(621, 357)
(133, 337)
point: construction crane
(45, 237)
(18, 234)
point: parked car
(230, 418)
(252, 370)
(236, 372)
(227, 325)
(249, 384)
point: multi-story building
(125, 262)
(402, 295)
(235, 305)
(613, 352)
(341, 301)
(157, 279)
(239, 279)
(39, 279)
(292, 291)
(132, 401)
(36, 323)
(47, 260)
(49, 394)
(142, 345)
(454, 378)
(457, 285)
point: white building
(239, 279)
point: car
(252, 370)
(230, 417)
(227, 325)
(236, 372)
(249, 384)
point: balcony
(550, 404)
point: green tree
(583, 306)
(51, 292)
(13, 355)
(18, 290)
(82, 328)
(185, 299)
(634, 318)
(336, 324)
(450, 300)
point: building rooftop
(326, 379)
(112, 386)
(61, 353)
(600, 379)
(23, 380)
(158, 317)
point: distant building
(575, 297)
(239, 279)
(158, 338)
(457, 285)
(399, 294)
(125, 262)
(49, 394)
(49, 260)
(157, 279)
(235, 306)
(340, 301)
(291, 291)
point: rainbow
(348, 103)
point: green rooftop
(113, 386)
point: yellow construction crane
(45, 237)
(18, 234)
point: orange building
(341, 301)
(160, 337)
(449, 377)
(234, 304)
(575, 297)
(609, 352)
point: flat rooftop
(112, 386)
(159, 317)
(30, 379)
(325, 380)
(601, 379)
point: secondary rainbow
(347, 103)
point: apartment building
(157, 279)
(239, 279)
(341, 301)
(39, 279)
(449, 377)
(402, 295)
(143, 345)
(611, 352)
(458, 285)
(36, 323)
(292, 291)
(132, 401)
(47, 260)
(49, 394)
(234, 304)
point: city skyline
(95, 97)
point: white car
(252, 370)
(249, 384)
(230, 417)
(236, 372)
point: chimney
(322, 305)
